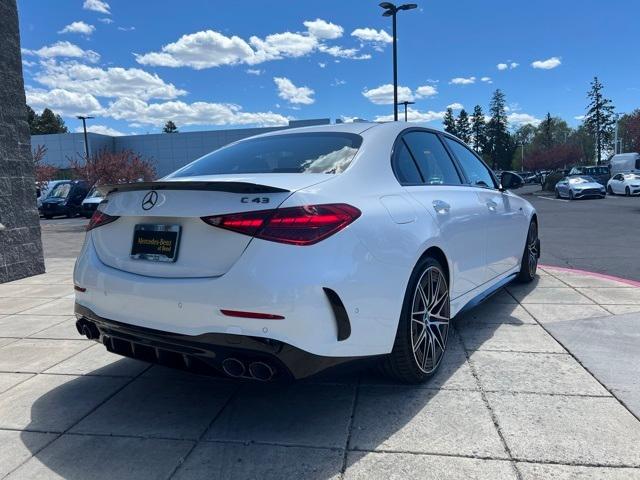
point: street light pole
(390, 10)
(405, 103)
(84, 128)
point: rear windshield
(330, 152)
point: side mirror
(510, 181)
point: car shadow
(344, 408)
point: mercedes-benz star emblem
(149, 200)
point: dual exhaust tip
(255, 370)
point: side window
(432, 158)
(476, 171)
(404, 167)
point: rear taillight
(294, 225)
(99, 219)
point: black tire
(48, 217)
(529, 262)
(557, 193)
(403, 363)
(571, 195)
(627, 192)
(610, 190)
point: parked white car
(579, 186)
(91, 202)
(284, 254)
(624, 184)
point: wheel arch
(437, 253)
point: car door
(617, 184)
(502, 212)
(428, 173)
(563, 187)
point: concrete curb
(626, 281)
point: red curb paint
(626, 281)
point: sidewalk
(509, 402)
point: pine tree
(170, 127)
(599, 119)
(499, 143)
(31, 119)
(463, 126)
(48, 122)
(546, 129)
(478, 129)
(449, 122)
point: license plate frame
(156, 236)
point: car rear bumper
(296, 283)
(204, 353)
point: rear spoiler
(231, 187)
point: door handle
(441, 208)
(491, 205)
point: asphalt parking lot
(538, 383)
(591, 234)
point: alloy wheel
(532, 248)
(430, 319)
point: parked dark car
(600, 173)
(65, 199)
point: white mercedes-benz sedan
(284, 254)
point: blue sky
(209, 64)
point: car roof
(353, 127)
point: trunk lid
(178, 205)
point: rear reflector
(99, 219)
(304, 225)
(262, 316)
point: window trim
(496, 183)
(394, 156)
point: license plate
(158, 243)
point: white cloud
(519, 119)
(102, 130)
(486, 80)
(547, 64)
(126, 29)
(510, 65)
(337, 82)
(197, 113)
(372, 35)
(426, 91)
(78, 27)
(463, 80)
(254, 71)
(455, 106)
(63, 49)
(322, 64)
(109, 82)
(579, 117)
(63, 102)
(323, 30)
(336, 51)
(97, 6)
(289, 92)
(207, 49)
(383, 95)
(200, 50)
(502, 66)
(413, 116)
(106, 20)
(514, 65)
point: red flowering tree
(43, 172)
(110, 168)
